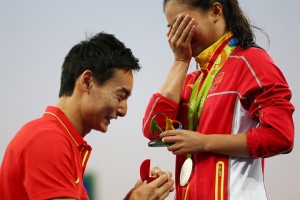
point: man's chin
(103, 129)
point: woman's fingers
(181, 29)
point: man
(47, 157)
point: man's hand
(157, 189)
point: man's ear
(217, 11)
(86, 81)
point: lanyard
(198, 98)
(222, 49)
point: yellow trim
(186, 191)
(85, 155)
(219, 175)
(77, 181)
(86, 150)
(63, 126)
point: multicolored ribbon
(211, 61)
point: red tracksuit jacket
(249, 95)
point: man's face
(107, 101)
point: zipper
(219, 185)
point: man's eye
(119, 97)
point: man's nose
(122, 109)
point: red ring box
(145, 171)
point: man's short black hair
(101, 54)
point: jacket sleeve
(158, 103)
(276, 133)
(268, 97)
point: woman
(235, 109)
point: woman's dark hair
(101, 54)
(236, 20)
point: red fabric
(248, 83)
(43, 161)
(145, 171)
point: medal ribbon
(210, 67)
(211, 61)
